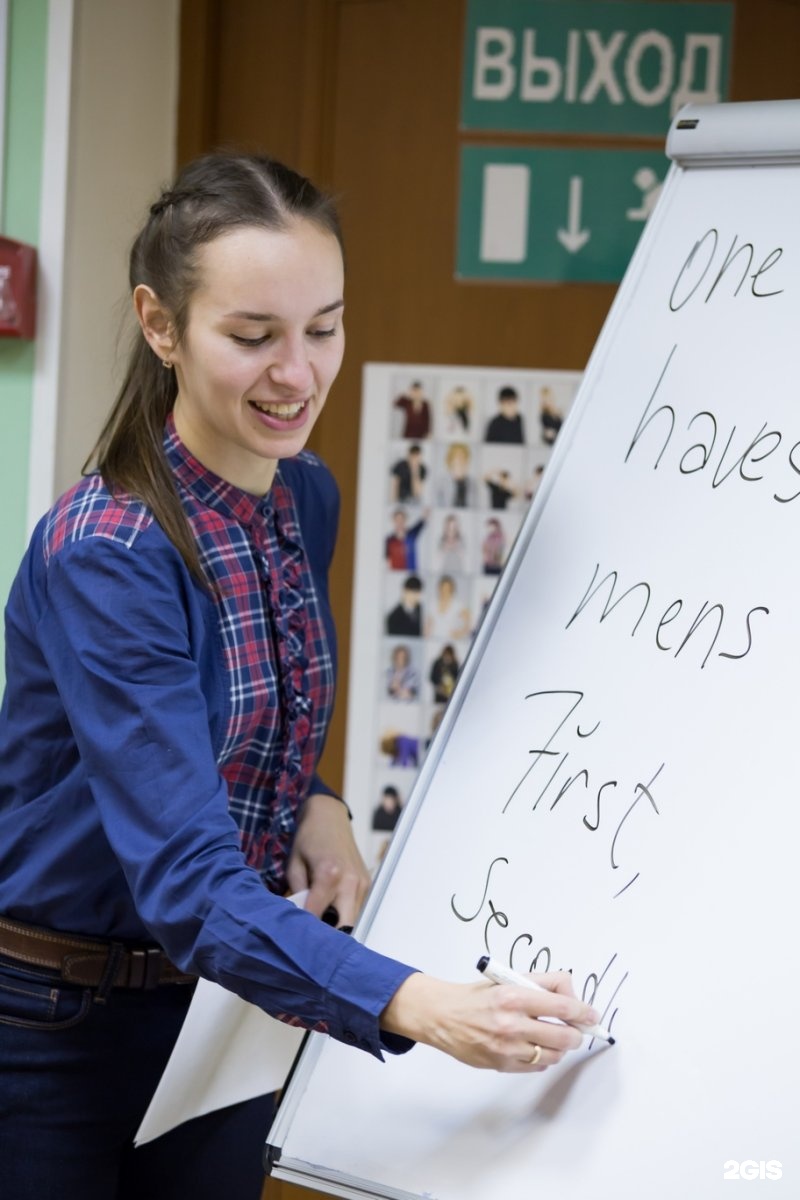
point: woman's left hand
(326, 860)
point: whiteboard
(613, 788)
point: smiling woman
(171, 666)
(237, 280)
(263, 344)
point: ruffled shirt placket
(280, 560)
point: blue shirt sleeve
(113, 628)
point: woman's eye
(323, 333)
(243, 341)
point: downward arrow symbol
(573, 237)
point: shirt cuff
(373, 979)
(318, 785)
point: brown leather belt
(88, 961)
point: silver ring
(534, 1058)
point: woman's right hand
(496, 1026)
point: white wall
(122, 149)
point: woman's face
(263, 344)
(458, 462)
(400, 657)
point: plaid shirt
(274, 626)
(275, 645)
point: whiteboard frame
(761, 142)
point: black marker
(331, 917)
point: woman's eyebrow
(244, 315)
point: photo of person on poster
(401, 749)
(494, 547)
(447, 615)
(402, 676)
(414, 409)
(386, 813)
(501, 488)
(456, 487)
(550, 416)
(459, 406)
(400, 546)
(451, 546)
(444, 673)
(405, 619)
(407, 478)
(507, 426)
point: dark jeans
(75, 1080)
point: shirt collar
(207, 487)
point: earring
(166, 363)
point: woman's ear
(156, 322)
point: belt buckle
(145, 968)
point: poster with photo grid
(450, 458)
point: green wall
(25, 93)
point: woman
(447, 616)
(452, 546)
(171, 666)
(456, 488)
(444, 673)
(402, 677)
(458, 405)
(493, 547)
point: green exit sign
(591, 66)
(553, 215)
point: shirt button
(350, 1037)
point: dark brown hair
(211, 196)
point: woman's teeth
(287, 411)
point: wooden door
(363, 95)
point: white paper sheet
(227, 1051)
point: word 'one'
(701, 272)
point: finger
(555, 981)
(336, 885)
(539, 1002)
(553, 1035)
(296, 876)
(321, 895)
(546, 1044)
(349, 898)
(542, 1005)
(537, 1058)
(564, 1004)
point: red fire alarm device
(17, 289)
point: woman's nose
(291, 367)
